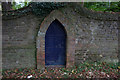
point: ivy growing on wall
(41, 8)
(37, 8)
(44, 8)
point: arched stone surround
(70, 45)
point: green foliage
(37, 8)
(43, 8)
(103, 6)
(97, 6)
(20, 5)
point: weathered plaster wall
(96, 37)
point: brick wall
(19, 44)
(93, 36)
(96, 36)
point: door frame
(70, 40)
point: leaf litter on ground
(85, 70)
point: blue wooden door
(55, 44)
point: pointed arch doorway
(55, 45)
(64, 42)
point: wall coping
(6, 15)
(98, 15)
